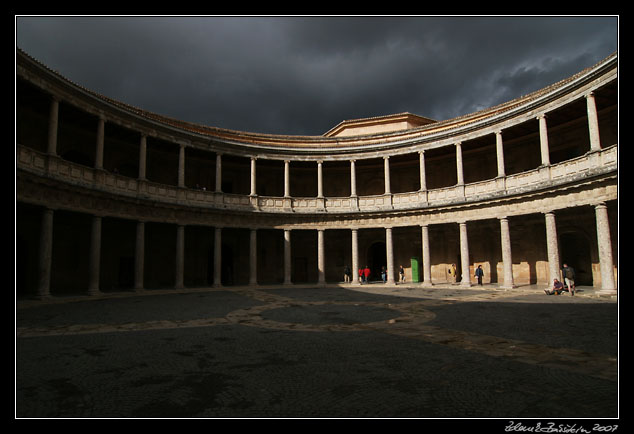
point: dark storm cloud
(303, 75)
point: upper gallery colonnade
(596, 157)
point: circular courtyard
(299, 352)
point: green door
(416, 269)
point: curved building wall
(111, 197)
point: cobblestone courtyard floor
(308, 352)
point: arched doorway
(376, 259)
(575, 251)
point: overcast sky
(304, 75)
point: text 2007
(606, 428)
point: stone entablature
(74, 198)
(591, 165)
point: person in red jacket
(366, 273)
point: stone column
(181, 166)
(218, 173)
(253, 177)
(499, 150)
(507, 259)
(353, 179)
(143, 157)
(287, 257)
(386, 170)
(355, 257)
(604, 242)
(320, 179)
(459, 168)
(552, 248)
(421, 169)
(139, 256)
(53, 118)
(217, 257)
(94, 256)
(287, 179)
(426, 256)
(593, 123)
(389, 247)
(543, 140)
(253, 257)
(99, 144)
(321, 258)
(464, 256)
(45, 255)
(180, 256)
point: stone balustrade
(590, 164)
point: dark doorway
(575, 251)
(126, 272)
(226, 275)
(377, 258)
(210, 265)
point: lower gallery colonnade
(312, 249)
(113, 198)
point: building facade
(110, 197)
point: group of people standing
(364, 274)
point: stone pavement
(309, 352)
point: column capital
(541, 116)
